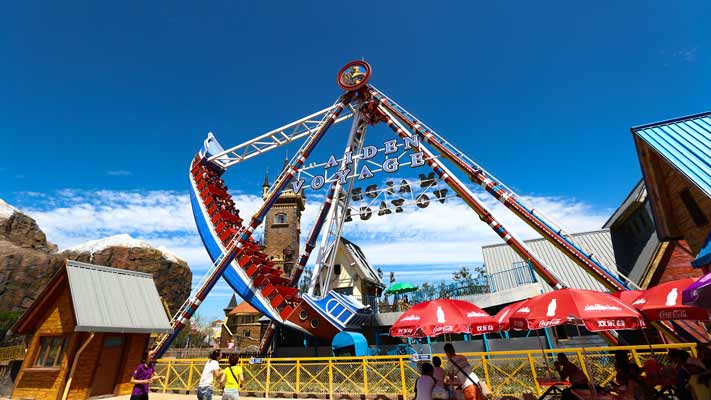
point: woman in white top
(209, 373)
(425, 383)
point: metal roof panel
(685, 143)
(115, 300)
(498, 258)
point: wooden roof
(244, 308)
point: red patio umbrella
(663, 302)
(503, 317)
(597, 311)
(628, 296)
(437, 317)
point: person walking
(143, 376)
(209, 373)
(232, 378)
(472, 386)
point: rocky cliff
(28, 262)
(171, 274)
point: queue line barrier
(508, 373)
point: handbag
(482, 390)
(234, 376)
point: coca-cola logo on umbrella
(550, 323)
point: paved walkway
(171, 396)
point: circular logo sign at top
(354, 75)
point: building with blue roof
(675, 157)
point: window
(51, 351)
(246, 334)
(280, 218)
(693, 208)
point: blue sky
(103, 105)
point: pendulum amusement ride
(323, 312)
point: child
(425, 383)
(439, 392)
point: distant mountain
(28, 261)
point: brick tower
(282, 227)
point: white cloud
(435, 240)
(452, 232)
(441, 233)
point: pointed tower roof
(266, 178)
(232, 304)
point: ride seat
(268, 290)
(288, 292)
(277, 301)
(228, 234)
(286, 311)
(278, 280)
(259, 281)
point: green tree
(442, 290)
(462, 276)
(193, 334)
(428, 290)
(305, 280)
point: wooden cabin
(353, 275)
(675, 157)
(87, 331)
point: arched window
(280, 219)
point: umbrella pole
(543, 353)
(646, 339)
(585, 361)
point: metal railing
(520, 273)
(193, 353)
(508, 373)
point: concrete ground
(171, 396)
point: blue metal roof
(685, 143)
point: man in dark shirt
(570, 372)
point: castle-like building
(282, 227)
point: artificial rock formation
(28, 261)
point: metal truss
(278, 137)
(337, 213)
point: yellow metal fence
(508, 373)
